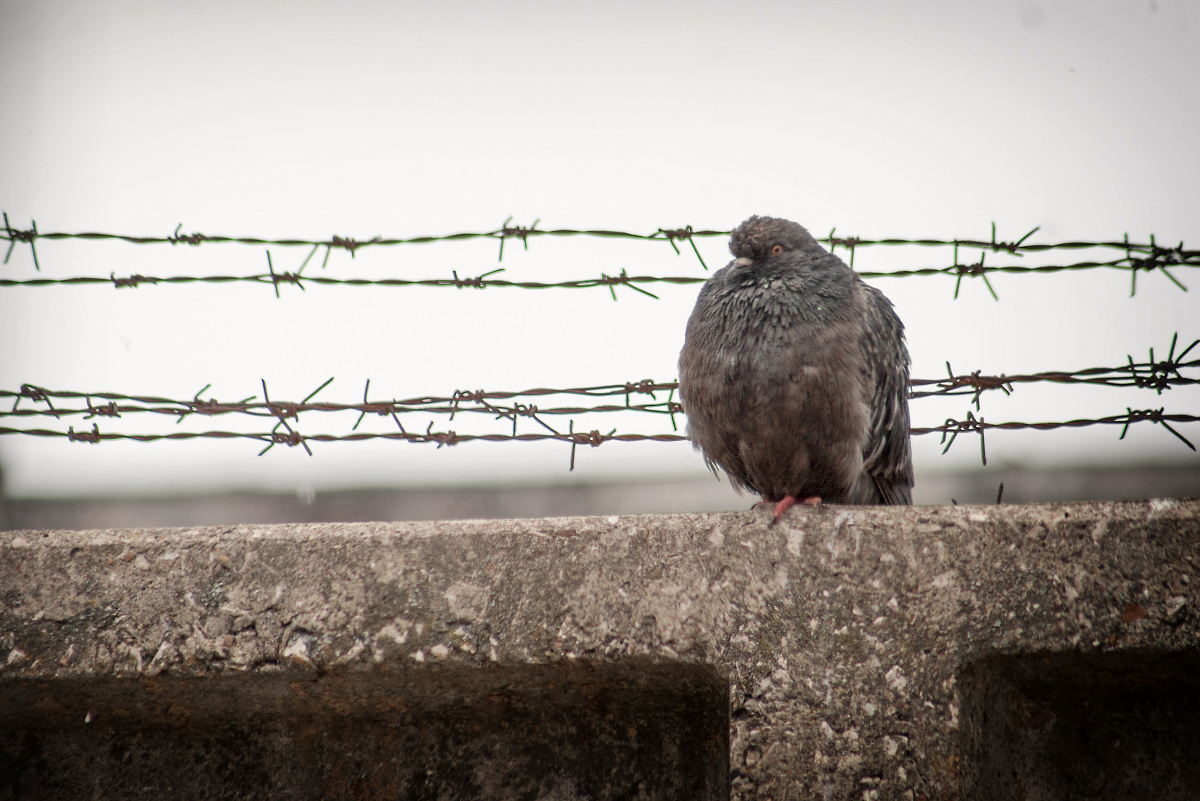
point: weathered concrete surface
(1045, 651)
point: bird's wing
(707, 388)
(887, 456)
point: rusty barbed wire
(273, 278)
(484, 280)
(501, 234)
(1151, 374)
(1154, 374)
(973, 424)
(1138, 257)
(460, 402)
(523, 233)
(595, 438)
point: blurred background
(307, 120)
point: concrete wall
(986, 652)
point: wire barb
(520, 232)
(14, 236)
(190, 239)
(92, 436)
(955, 427)
(350, 244)
(682, 233)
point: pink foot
(788, 502)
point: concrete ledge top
(220, 598)
(843, 632)
(1048, 576)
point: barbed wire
(1155, 374)
(485, 280)
(1158, 375)
(595, 438)
(1138, 257)
(482, 281)
(1151, 374)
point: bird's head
(761, 238)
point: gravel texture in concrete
(975, 652)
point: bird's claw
(788, 502)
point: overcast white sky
(274, 119)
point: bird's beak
(743, 261)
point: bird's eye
(775, 251)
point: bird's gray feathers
(887, 459)
(794, 374)
(755, 237)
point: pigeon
(794, 375)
